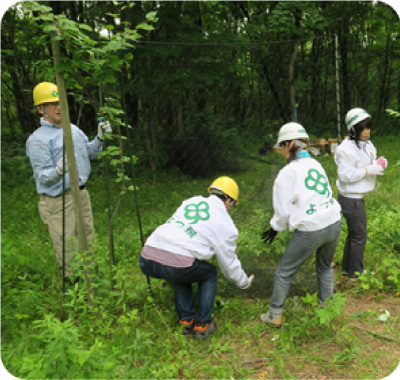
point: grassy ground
(133, 334)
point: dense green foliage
(189, 75)
(133, 333)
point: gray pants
(356, 217)
(301, 246)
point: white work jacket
(200, 228)
(302, 198)
(351, 161)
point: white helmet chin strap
(47, 115)
(231, 202)
(300, 144)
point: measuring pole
(337, 80)
(132, 170)
(73, 175)
(295, 111)
(111, 231)
(63, 222)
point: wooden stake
(73, 175)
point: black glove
(269, 235)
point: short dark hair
(358, 128)
(220, 195)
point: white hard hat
(292, 131)
(354, 116)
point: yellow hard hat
(227, 185)
(45, 92)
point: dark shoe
(353, 277)
(202, 330)
(187, 326)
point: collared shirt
(45, 148)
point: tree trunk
(73, 175)
(385, 81)
(13, 64)
(147, 135)
(316, 81)
(292, 90)
(274, 92)
(345, 75)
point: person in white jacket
(357, 167)
(178, 249)
(303, 202)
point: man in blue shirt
(45, 151)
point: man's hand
(103, 126)
(249, 282)
(60, 169)
(269, 235)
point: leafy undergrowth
(131, 333)
(357, 336)
(355, 344)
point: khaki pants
(51, 213)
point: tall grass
(133, 333)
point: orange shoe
(272, 320)
(187, 326)
(202, 330)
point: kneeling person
(178, 249)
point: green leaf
(56, 37)
(129, 56)
(152, 16)
(144, 26)
(49, 28)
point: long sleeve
(93, 147)
(351, 163)
(42, 161)
(282, 198)
(213, 234)
(45, 148)
(347, 169)
(228, 261)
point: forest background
(194, 90)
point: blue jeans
(300, 248)
(202, 272)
